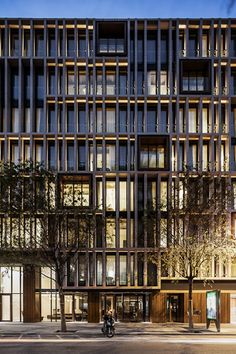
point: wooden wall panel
(225, 308)
(93, 307)
(158, 307)
(29, 297)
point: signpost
(213, 308)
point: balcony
(111, 38)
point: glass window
(15, 86)
(122, 157)
(82, 270)
(82, 46)
(163, 195)
(71, 272)
(110, 195)
(193, 156)
(122, 121)
(193, 120)
(38, 152)
(15, 120)
(123, 270)
(52, 45)
(110, 84)
(163, 124)
(152, 156)
(99, 269)
(151, 274)
(52, 83)
(140, 51)
(82, 83)
(151, 121)
(151, 82)
(40, 87)
(39, 120)
(99, 84)
(99, 157)
(205, 121)
(51, 156)
(140, 87)
(27, 43)
(151, 51)
(110, 270)
(193, 45)
(122, 190)
(122, 84)
(70, 82)
(76, 194)
(140, 269)
(15, 48)
(70, 157)
(81, 157)
(51, 119)
(140, 121)
(82, 121)
(70, 119)
(26, 152)
(70, 45)
(39, 44)
(110, 157)
(123, 233)
(99, 125)
(132, 262)
(14, 153)
(181, 120)
(99, 195)
(110, 233)
(110, 120)
(164, 49)
(164, 83)
(205, 157)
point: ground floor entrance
(175, 308)
(127, 307)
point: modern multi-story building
(121, 106)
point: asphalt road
(133, 346)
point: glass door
(6, 308)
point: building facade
(123, 106)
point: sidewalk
(77, 330)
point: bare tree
(197, 228)
(50, 216)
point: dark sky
(118, 8)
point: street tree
(197, 228)
(50, 216)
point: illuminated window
(110, 195)
(123, 233)
(76, 193)
(123, 270)
(110, 233)
(110, 270)
(123, 195)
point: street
(121, 345)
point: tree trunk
(190, 303)
(62, 308)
